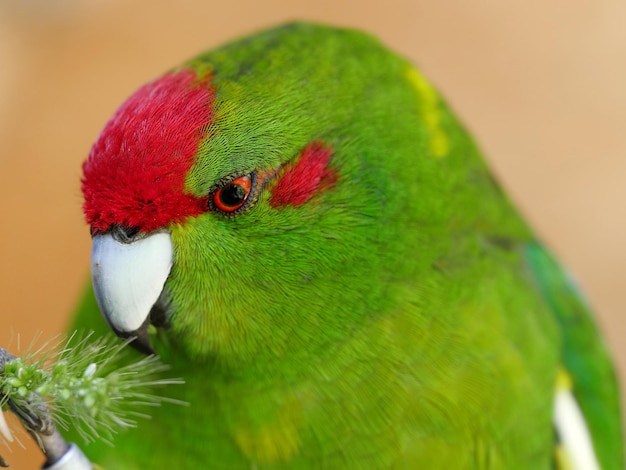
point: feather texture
(375, 305)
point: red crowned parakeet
(299, 225)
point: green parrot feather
(348, 287)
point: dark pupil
(232, 195)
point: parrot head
(255, 202)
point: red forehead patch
(135, 173)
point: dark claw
(36, 419)
(5, 356)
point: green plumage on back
(583, 355)
(348, 287)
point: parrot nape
(297, 223)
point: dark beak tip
(138, 339)
(142, 344)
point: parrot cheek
(128, 275)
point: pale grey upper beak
(128, 273)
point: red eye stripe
(306, 177)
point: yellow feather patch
(574, 448)
(562, 458)
(563, 380)
(275, 442)
(429, 112)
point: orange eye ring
(233, 195)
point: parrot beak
(128, 272)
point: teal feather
(585, 356)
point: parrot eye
(232, 196)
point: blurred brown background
(541, 85)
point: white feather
(573, 432)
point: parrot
(300, 227)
